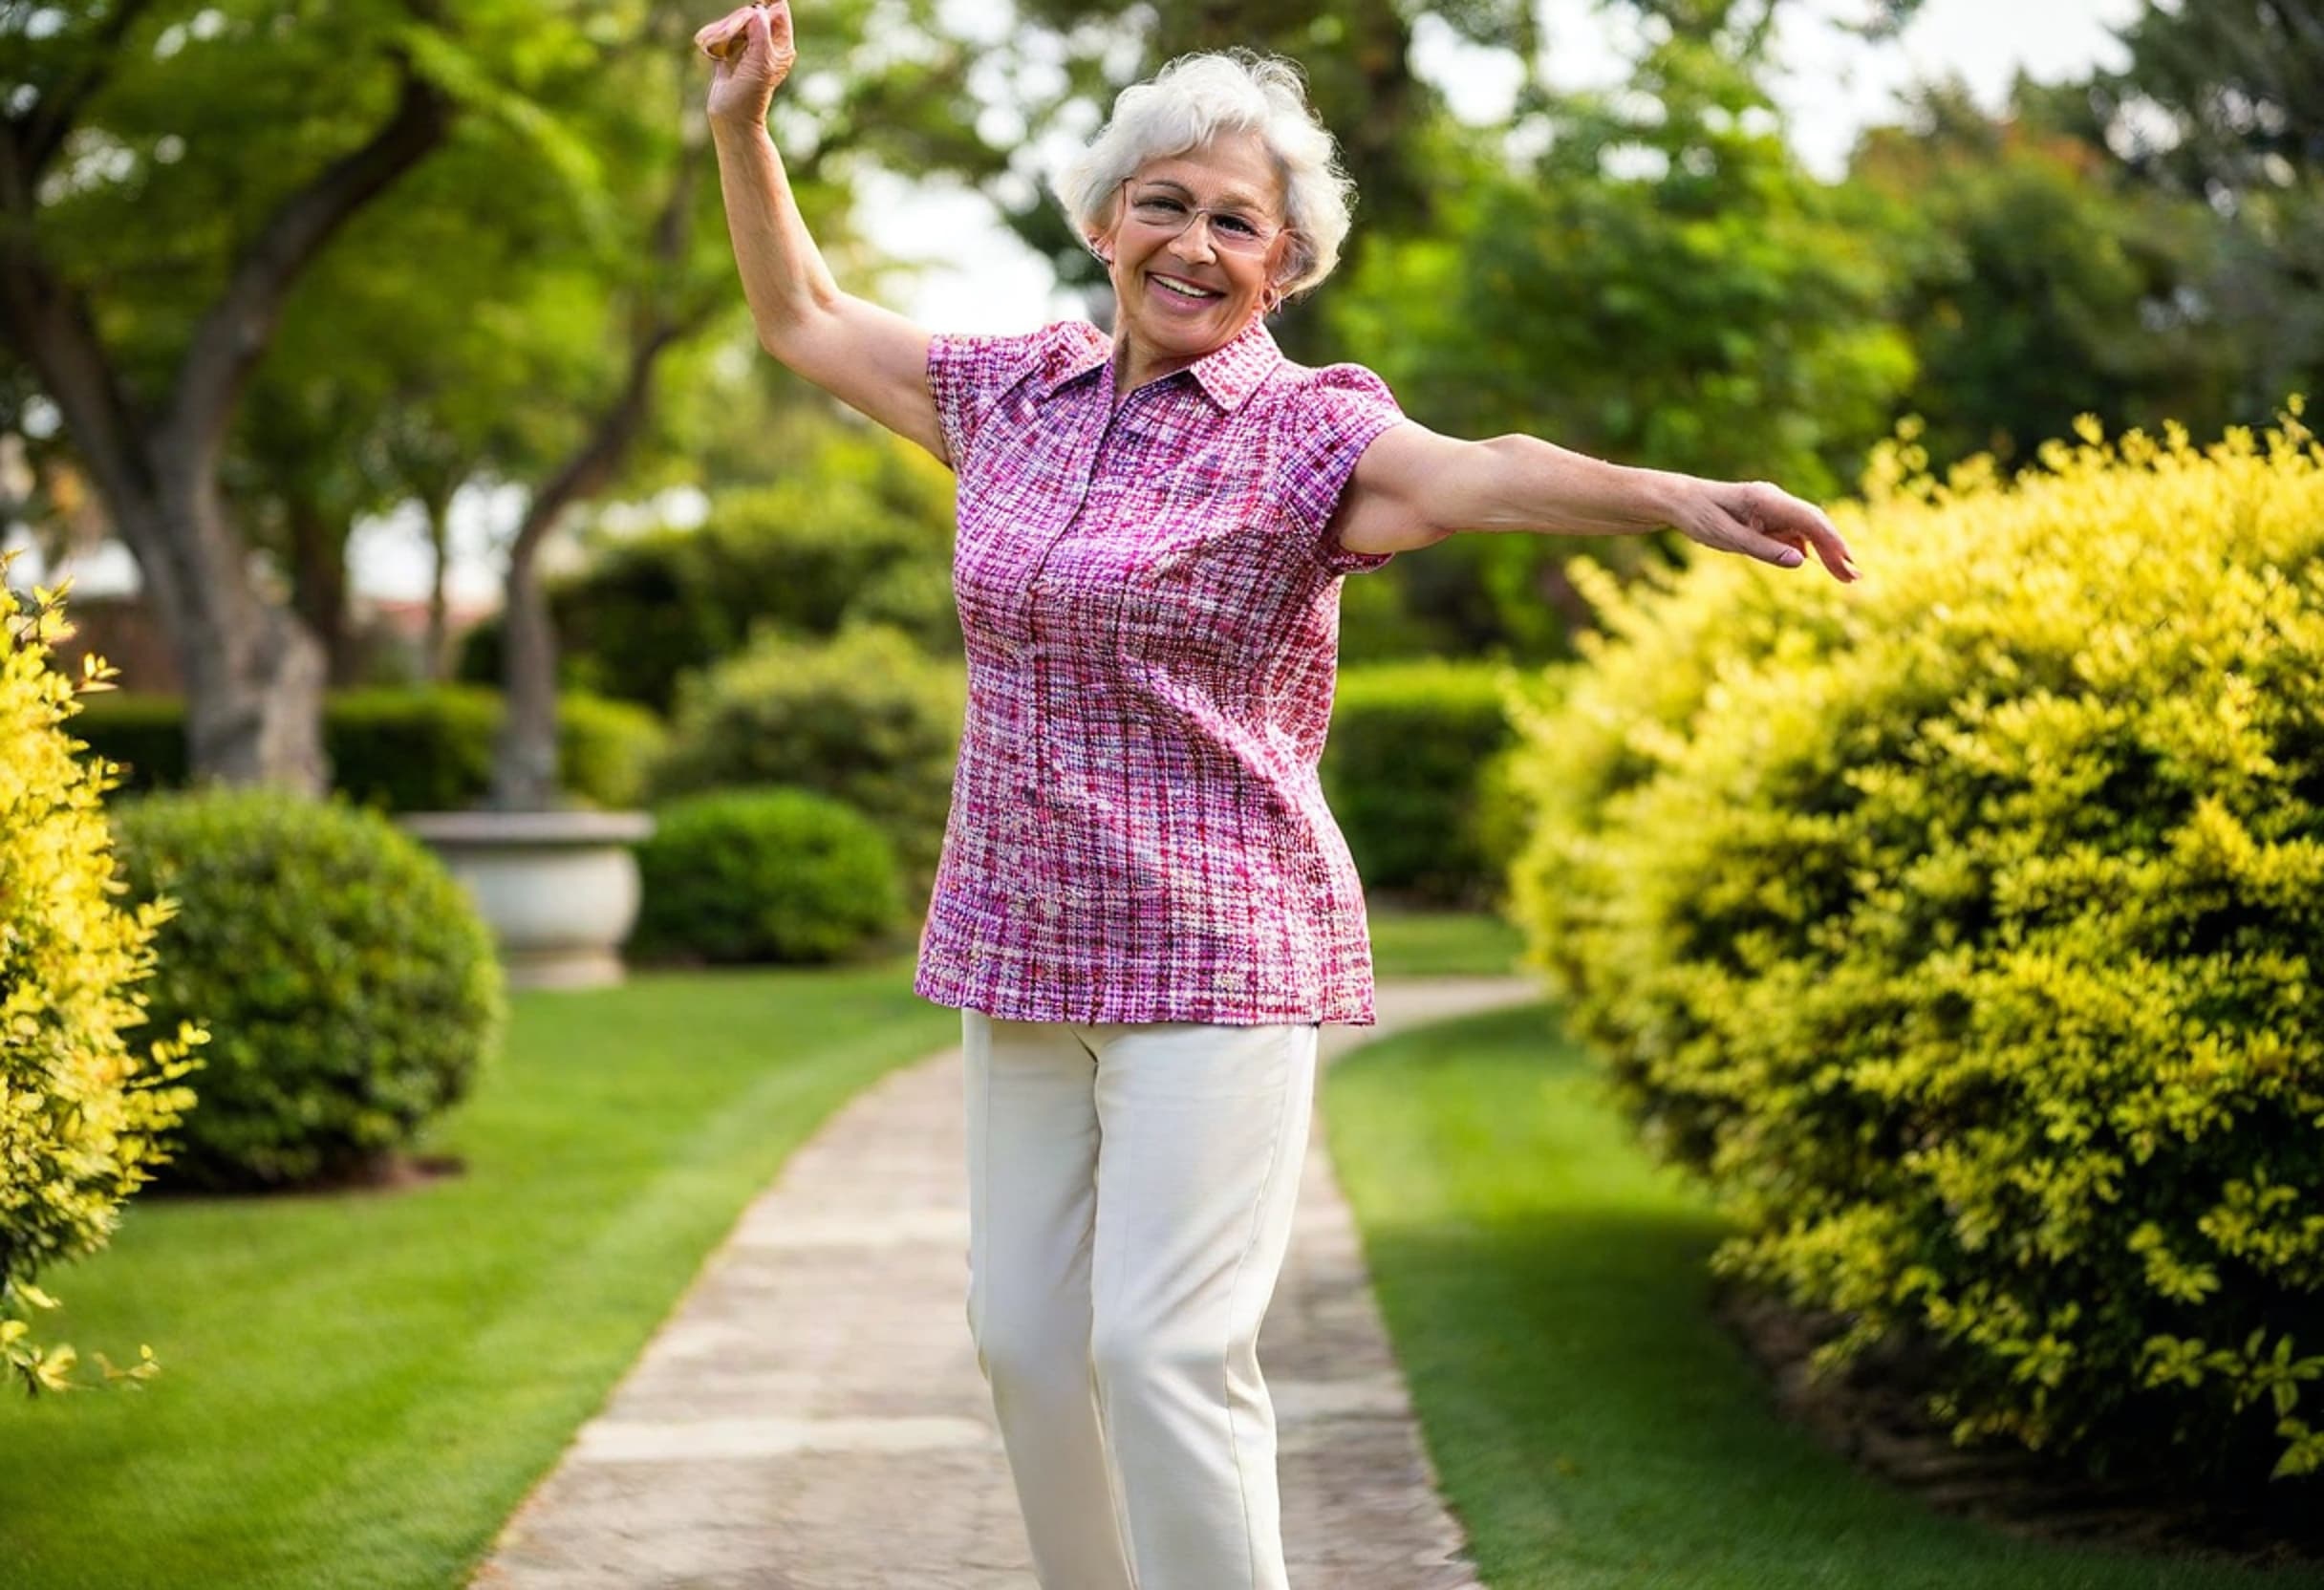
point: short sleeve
(969, 374)
(1336, 413)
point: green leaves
(533, 127)
(1408, 769)
(2303, 1453)
(1665, 284)
(867, 717)
(2036, 284)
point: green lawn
(358, 1389)
(1446, 943)
(1593, 1426)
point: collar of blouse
(1229, 373)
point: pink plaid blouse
(1151, 601)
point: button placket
(1084, 475)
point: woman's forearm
(1414, 487)
(783, 276)
(1521, 482)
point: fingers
(716, 39)
(731, 35)
(1782, 554)
(1792, 530)
(1830, 549)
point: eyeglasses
(1230, 230)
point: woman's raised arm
(1413, 487)
(870, 359)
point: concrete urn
(559, 889)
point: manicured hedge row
(1408, 769)
(1965, 927)
(401, 750)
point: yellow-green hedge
(81, 1106)
(1964, 927)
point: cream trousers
(1131, 1188)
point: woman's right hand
(754, 51)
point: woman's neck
(1135, 366)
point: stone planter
(558, 888)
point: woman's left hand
(1761, 521)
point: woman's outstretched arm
(870, 359)
(1413, 487)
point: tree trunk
(525, 766)
(318, 590)
(436, 666)
(254, 673)
(255, 702)
(524, 761)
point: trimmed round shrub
(763, 876)
(1964, 931)
(349, 987)
(1405, 771)
(419, 749)
(1964, 928)
(82, 1109)
(868, 718)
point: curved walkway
(811, 1418)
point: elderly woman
(1144, 910)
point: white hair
(1192, 100)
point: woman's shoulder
(1069, 345)
(1310, 394)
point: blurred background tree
(2039, 280)
(158, 208)
(1648, 274)
(251, 326)
(2224, 102)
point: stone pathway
(811, 1416)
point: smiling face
(1182, 295)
